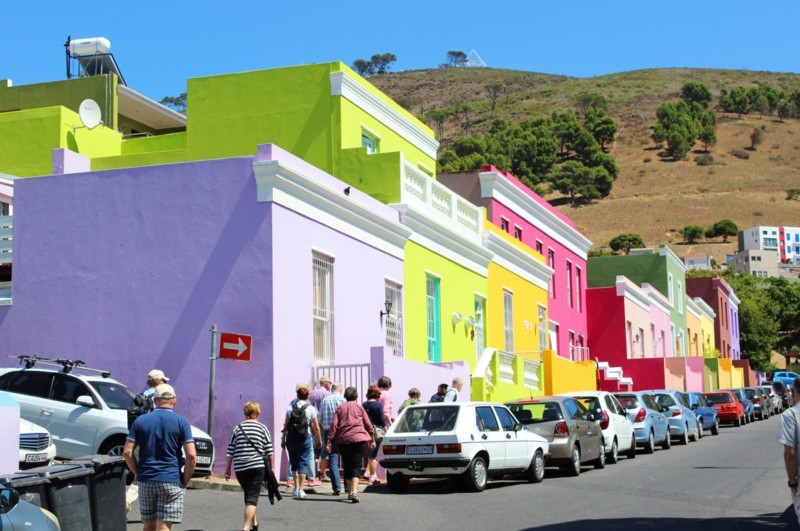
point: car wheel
(612, 456)
(632, 450)
(113, 446)
(699, 430)
(575, 463)
(650, 446)
(536, 470)
(600, 462)
(667, 444)
(715, 427)
(738, 422)
(398, 483)
(684, 438)
(477, 474)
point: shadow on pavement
(785, 520)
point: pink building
(516, 209)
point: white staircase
(614, 374)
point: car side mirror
(517, 426)
(694, 406)
(9, 498)
(85, 401)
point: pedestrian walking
(377, 417)
(440, 394)
(154, 378)
(455, 389)
(330, 459)
(789, 437)
(351, 431)
(385, 384)
(250, 452)
(300, 432)
(315, 398)
(159, 436)
(413, 398)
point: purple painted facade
(128, 269)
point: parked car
(649, 423)
(18, 514)
(85, 414)
(786, 377)
(759, 400)
(682, 420)
(707, 418)
(618, 433)
(728, 407)
(749, 409)
(772, 399)
(467, 441)
(574, 436)
(781, 390)
(36, 448)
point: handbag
(379, 432)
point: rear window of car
(534, 413)
(718, 398)
(592, 403)
(664, 400)
(427, 419)
(115, 395)
(751, 393)
(628, 401)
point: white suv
(85, 414)
(467, 441)
(618, 432)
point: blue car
(786, 377)
(682, 420)
(707, 417)
(649, 423)
(749, 407)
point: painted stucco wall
(711, 374)
(606, 325)
(693, 336)
(695, 373)
(713, 290)
(9, 435)
(648, 373)
(726, 373)
(660, 320)
(708, 339)
(675, 373)
(639, 318)
(563, 376)
(458, 287)
(737, 377)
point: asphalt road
(732, 481)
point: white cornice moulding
(629, 290)
(692, 307)
(672, 257)
(496, 186)
(517, 261)
(658, 298)
(705, 308)
(343, 85)
(444, 241)
(292, 189)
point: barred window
(394, 320)
(323, 308)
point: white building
(784, 241)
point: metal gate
(355, 375)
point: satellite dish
(89, 112)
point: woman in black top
(250, 442)
(375, 412)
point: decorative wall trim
(658, 298)
(517, 261)
(629, 290)
(704, 308)
(692, 307)
(672, 257)
(350, 89)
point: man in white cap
(159, 436)
(154, 378)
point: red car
(728, 408)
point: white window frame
(579, 288)
(570, 300)
(541, 315)
(508, 319)
(322, 307)
(394, 319)
(671, 288)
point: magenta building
(525, 215)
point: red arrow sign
(235, 346)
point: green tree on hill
(708, 133)
(602, 127)
(696, 93)
(580, 183)
(692, 233)
(626, 242)
(590, 100)
(494, 90)
(455, 58)
(724, 228)
(383, 62)
(735, 101)
(756, 137)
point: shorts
(297, 450)
(251, 480)
(161, 502)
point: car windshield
(427, 419)
(718, 398)
(592, 403)
(538, 412)
(628, 401)
(115, 395)
(751, 393)
(664, 400)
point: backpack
(298, 422)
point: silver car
(682, 420)
(18, 514)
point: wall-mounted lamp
(457, 318)
(469, 322)
(388, 306)
(636, 339)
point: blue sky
(159, 45)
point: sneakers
(314, 482)
(299, 493)
(373, 480)
(354, 498)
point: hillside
(653, 197)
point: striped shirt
(245, 456)
(328, 409)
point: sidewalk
(219, 483)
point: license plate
(35, 458)
(203, 460)
(417, 450)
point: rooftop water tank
(93, 46)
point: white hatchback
(467, 441)
(618, 432)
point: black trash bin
(68, 494)
(32, 488)
(106, 491)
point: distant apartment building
(698, 261)
(783, 241)
(756, 262)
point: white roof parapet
(658, 298)
(692, 307)
(516, 260)
(734, 299)
(704, 308)
(629, 290)
(495, 185)
(352, 90)
(664, 250)
(149, 112)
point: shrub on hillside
(740, 153)
(704, 160)
(793, 194)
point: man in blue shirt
(160, 435)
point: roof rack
(66, 364)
